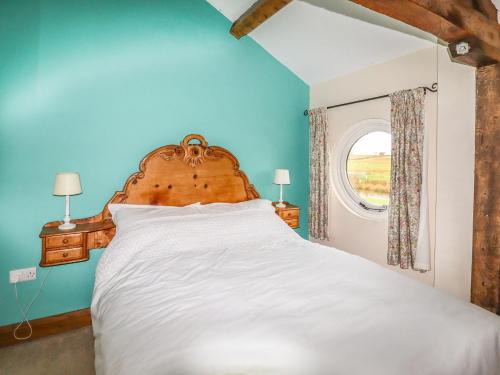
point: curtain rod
(433, 88)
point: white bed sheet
(243, 294)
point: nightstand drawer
(292, 223)
(64, 255)
(103, 237)
(289, 214)
(64, 240)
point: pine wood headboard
(174, 175)
(178, 175)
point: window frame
(347, 194)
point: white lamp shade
(67, 184)
(282, 177)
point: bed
(219, 284)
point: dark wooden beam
(487, 8)
(414, 15)
(467, 18)
(452, 21)
(484, 6)
(485, 288)
(259, 12)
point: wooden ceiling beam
(414, 15)
(258, 13)
(484, 6)
(487, 8)
(467, 18)
(453, 21)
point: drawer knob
(65, 255)
(65, 240)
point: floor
(64, 354)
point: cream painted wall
(450, 122)
(455, 171)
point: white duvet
(241, 293)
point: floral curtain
(409, 244)
(318, 174)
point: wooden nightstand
(70, 246)
(290, 214)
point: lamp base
(280, 205)
(66, 226)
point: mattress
(241, 293)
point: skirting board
(42, 327)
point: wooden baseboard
(50, 325)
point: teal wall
(93, 85)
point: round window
(362, 171)
(369, 168)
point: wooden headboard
(178, 175)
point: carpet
(66, 354)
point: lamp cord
(25, 311)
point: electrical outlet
(25, 274)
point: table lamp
(67, 184)
(281, 177)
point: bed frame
(173, 175)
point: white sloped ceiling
(319, 44)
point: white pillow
(115, 207)
(253, 204)
(125, 215)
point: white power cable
(24, 312)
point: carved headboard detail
(189, 173)
(178, 175)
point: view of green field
(370, 176)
